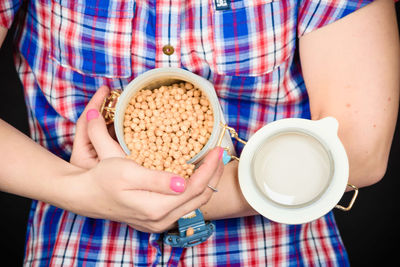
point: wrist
(65, 189)
(228, 192)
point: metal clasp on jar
(107, 109)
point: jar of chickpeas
(168, 119)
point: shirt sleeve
(314, 14)
(8, 9)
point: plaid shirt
(69, 48)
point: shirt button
(168, 50)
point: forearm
(351, 70)
(29, 170)
(229, 201)
(3, 33)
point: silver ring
(212, 188)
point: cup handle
(107, 109)
(353, 199)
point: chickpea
(156, 113)
(127, 130)
(202, 140)
(167, 164)
(185, 150)
(195, 133)
(168, 129)
(204, 102)
(159, 141)
(184, 116)
(152, 139)
(195, 101)
(139, 99)
(138, 145)
(164, 150)
(183, 139)
(159, 167)
(175, 140)
(152, 105)
(159, 132)
(128, 135)
(189, 106)
(175, 127)
(203, 131)
(188, 86)
(131, 146)
(139, 160)
(157, 162)
(174, 146)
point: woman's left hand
(84, 154)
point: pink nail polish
(92, 114)
(221, 152)
(177, 184)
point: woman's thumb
(103, 143)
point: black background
(370, 231)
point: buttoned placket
(168, 54)
(168, 22)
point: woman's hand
(118, 189)
(95, 134)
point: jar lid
(294, 170)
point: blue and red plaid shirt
(69, 48)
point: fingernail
(92, 114)
(177, 184)
(221, 152)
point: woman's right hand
(118, 189)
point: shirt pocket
(93, 37)
(252, 38)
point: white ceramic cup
(155, 78)
(294, 171)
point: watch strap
(193, 230)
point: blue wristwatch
(192, 231)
